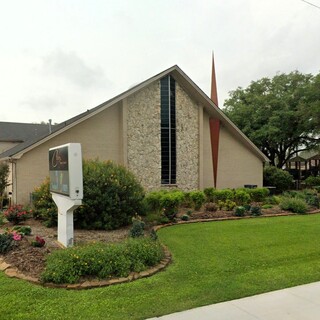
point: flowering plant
(16, 236)
(16, 214)
(39, 242)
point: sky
(59, 58)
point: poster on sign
(65, 170)
(59, 170)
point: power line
(311, 4)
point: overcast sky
(59, 58)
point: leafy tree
(4, 174)
(280, 115)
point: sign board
(65, 169)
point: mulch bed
(31, 260)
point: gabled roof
(297, 159)
(20, 132)
(313, 154)
(191, 88)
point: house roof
(20, 132)
(193, 90)
(311, 154)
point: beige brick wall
(237, 165)
(99, 137)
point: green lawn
(213, 262)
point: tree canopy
(280, 115)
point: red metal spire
(214, 92)
(214, 126)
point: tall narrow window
(168, 130)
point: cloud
(70, 67)
(43, 102)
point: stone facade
(144, 136)
(187, 116)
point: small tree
(4, 175)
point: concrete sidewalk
(297, 303)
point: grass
(213, 262)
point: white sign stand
(65, 165)
(65, 218)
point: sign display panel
(59, 170)
(65, 170)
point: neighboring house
(162, 130)
(306, 164)
(12, 133)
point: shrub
(166, 203)
(223, 195)
(312, 181)
(152, 200)
(6, 242)
(294, 205)
(102, 260)
(211, 207)
(241, 197)
(185, 217)
(170, 202)
(273, 176)
(44, 207)
(312, 198)
(112, 196)
(228, 205)
(255, 211)
(187, 202)
(240, 211)
(272, 200)
(258, 194)
(209, 193)
(198, 198)
(16, 214)
(137, 229)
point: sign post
(66, 186)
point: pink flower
(16, 236)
